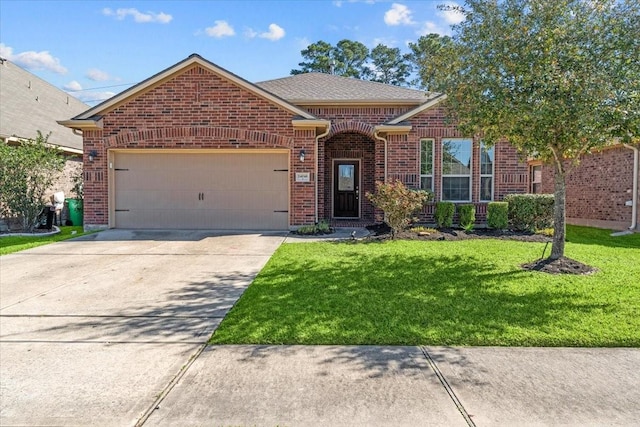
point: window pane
(346, 181)
(486, 160)
(455, 188)
(426, 183)
(456, 156)
(426, 157)
(486, 187)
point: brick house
(600, 190)
(196, 146)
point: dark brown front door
(346, 189)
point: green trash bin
(75, 211)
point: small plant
(444, 214)
(545, 232)
(422, 229)
(398, 203)
(467, 215)
(497, 215)
(321, 227)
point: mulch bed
(562, 265)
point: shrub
(321, 227)
(467, 216)
(444, 214)
(530, 212)
(398, 203)
(497, 215)
(26, 172)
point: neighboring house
(600, 190)
(29, 104)
(196, 146)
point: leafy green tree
(27, 171)
(429, 55)
(318, 58)
(350, 58)
(555, 78)
(389, 65)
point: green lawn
(442, 293)
(11, 244)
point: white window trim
(492, 176)
(433, 166)
(443, 176)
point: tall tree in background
(555, 78)
(429, 55)
(389, 65)
(348, 58)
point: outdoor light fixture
(92, 155)
(302, 153)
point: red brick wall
(196, 109)
(598, 188)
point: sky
(95, 49)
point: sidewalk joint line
(447, 387)
(163, 394)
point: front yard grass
(442, 293)
(11, 244)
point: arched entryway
(351, 168)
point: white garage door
(218, 191)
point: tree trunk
(559, 220)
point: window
(426, 164)
(536, 179)
(486, 172)
(456, 169)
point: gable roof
(30, 104)
(90, 118)
(322, 89)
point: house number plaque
(303, 177)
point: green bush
(530, 212)
(398, 203)
(444, 214)
(498, 215)
(467, 216)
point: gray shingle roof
(320, 87)
(30, 104)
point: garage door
(220, 191)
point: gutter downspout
(634, 206)
(376, 136)
(322, 135)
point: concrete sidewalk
(405, 386)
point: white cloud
(143, 18)
(72, 86)
(97, 75)
(399, 14)
(430, 27)
(451, 16)
(221, 29)
(250, 33)
(275, 32)
(32, 60)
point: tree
(347, 58)
(27, 171)
(398, 203)
(555, 78)
(389, 65)
(428, 55)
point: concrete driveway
(93, 330)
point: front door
(346, 189)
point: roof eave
(355, 102)
(82, 124)
(423, 107)
(393, 129)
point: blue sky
(95, 49)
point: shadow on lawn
(397, 299)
